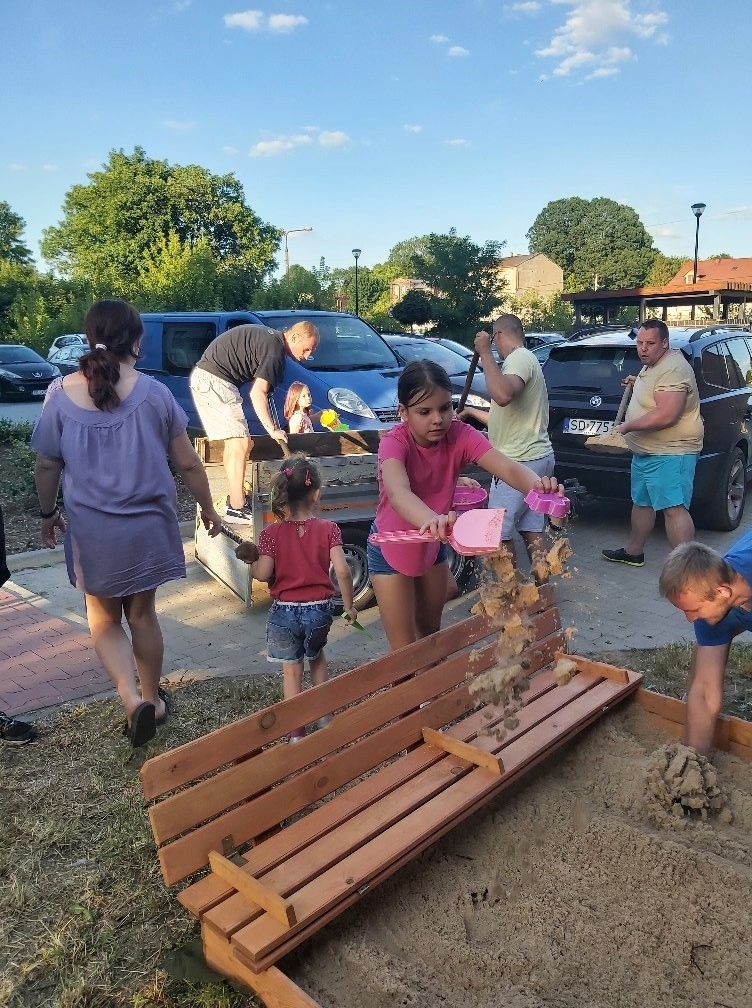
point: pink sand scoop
(475, 532)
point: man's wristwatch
(49, 514)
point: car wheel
(463, 569)
(354, 544)
(724, 512)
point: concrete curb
(35, 559)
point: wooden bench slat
(173, 769)
(464, 750)
(728, 729)
(207, 892)
(251, 889)
(259, 938)
(323, 851)
(596, 668)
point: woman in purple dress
(109, 431)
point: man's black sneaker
(239, 516)
(16, 732)
(621, 556)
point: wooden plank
(173, 769)
(596, 668)
(320, 444)
(732, 734)
(262, 936)
(465, 751)
(251, 889)
(274, 988)
(208, 891)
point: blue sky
(375, 122)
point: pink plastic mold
(552, 504)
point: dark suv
(584, 388)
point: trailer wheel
(463, 569)
(354, 543)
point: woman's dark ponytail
(112, 328)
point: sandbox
(559, 894)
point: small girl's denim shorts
(297, 630)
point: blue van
(352, 370)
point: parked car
(23, 373)
(66, 358)
(536, 339)
(584, 387)
(62, 342)
(409, 348)
(352, 370)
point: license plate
(574, 425)
(38, 391)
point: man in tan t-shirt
(664, 430)
(517, 425)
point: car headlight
(347, 401)
(57, 371)
(8, 374)
(478, 402)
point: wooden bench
(295, 834)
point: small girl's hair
(419, 380)
(296, 481)
(112, 329)
(291, 399)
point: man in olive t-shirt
(246, 353)
(664, 430)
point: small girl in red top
(297, 552)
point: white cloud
(284, 144)
(662, 231)
(457, 50)
(457, 142)
(15, 166)
(179, 125)
(410, 128)
(531, 7)
(50, 167)
(595, 34)
(250, 20)
(333, 138)
(284, 23)
(229, 149)
(439, 39)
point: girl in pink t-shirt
(419, 462)
(297, 551)
(298, 409)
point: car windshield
(410, 350)
(346, 343)
(19, 355)
(590, 369)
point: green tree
(539, 314)
(177, 276)
(13, 249)
(414, 309)
(299, 288)
(403, 253)
(464, 277)
(370, 289)
(663, 269)
(135, 201)
(598, 242)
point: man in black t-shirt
(247, 353)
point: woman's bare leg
(147, 643)
(113, 647)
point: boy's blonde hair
(694, 567)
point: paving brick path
(44, 660)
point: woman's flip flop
(142, 727)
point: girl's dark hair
(296, 481)
(112, 329)
(292, 397)
(419, 380)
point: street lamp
(287, 255)
(356, 253)
(697, 209)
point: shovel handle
(468, 381)
(626, 396)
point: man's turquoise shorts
(663, 481)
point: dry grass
(85, 918)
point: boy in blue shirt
(715, 594)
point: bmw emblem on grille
(36, 374)
(596, 401)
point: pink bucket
(466, 498)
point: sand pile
(681, 783)
(560, 894)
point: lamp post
(697, 209)
(356, 253)
(287, 254)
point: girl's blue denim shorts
(297, 630)
(377, 563)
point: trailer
(349, 496)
